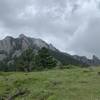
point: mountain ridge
(11, 47)
(14, 45)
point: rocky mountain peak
(15, 46)
(95, 60)
(8, 38)
(22, 36)
(52, 47)
(95, 57)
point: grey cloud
(72, 23)
(87, 42)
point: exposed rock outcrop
(95, 61)
(15, 46)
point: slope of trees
(66, 59)
(25, 61)
(43, 60)
(28, 61)
(40, 60)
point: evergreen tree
(3, 66)
(23, 63)
(44, 60)
(29, 61)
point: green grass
(65, 84)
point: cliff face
(15, 46)
(95, 61)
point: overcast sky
(71, 25)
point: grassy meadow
(57, 84)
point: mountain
(13, 47)
(95, 61)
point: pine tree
(23, 63)
(44, 60)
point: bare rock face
(27, 42)
(52, 47)
(17, 53)
(2, 56)
(6, 44)
(95, 61)
(15, 46)
(81, 58)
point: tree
(3, 66)
(29, 61)
(23, 63)
(43, 60)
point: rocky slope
(95, 61)
(15, 46)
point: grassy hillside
(67, 84)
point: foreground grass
(67, 84)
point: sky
(73, 26)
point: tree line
(29, 61)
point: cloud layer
(71, 25)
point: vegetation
(65, 84)
(29, 61)
(66, 59)
(3, 66)
(43, 60)
(25, 61)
